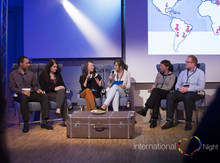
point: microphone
(93, 75)
(113, 74)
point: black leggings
(154, 100)
(60, 98)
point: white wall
(143, 67)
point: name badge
(186, 84)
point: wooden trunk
(109, 125)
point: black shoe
(168, 124)
(46, 126)
(102, 109)
(153, 123)
(25, 128)
(188, 126)
(142, 112)
(70, 107)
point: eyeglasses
(188, 62)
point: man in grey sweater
(164, 82)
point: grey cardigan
(165, 82)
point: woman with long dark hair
(91, 84)
(119, 82)
(52, 83)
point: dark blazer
(91, 84)
(48, 85)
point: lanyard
(188, 76)
(164, 79)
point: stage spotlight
(91, 32)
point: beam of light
(91, 32)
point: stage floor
(149, 145)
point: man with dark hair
(164, 82)
(24, 84)
(21, 59)
(189, 83)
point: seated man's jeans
(34, 97)
(189, 99)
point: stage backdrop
(72, 28)
(142, 58)
(183, 27)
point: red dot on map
(177, 29)
(187, 30)
(183, 34)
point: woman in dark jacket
(91, 84)
(51, 82)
